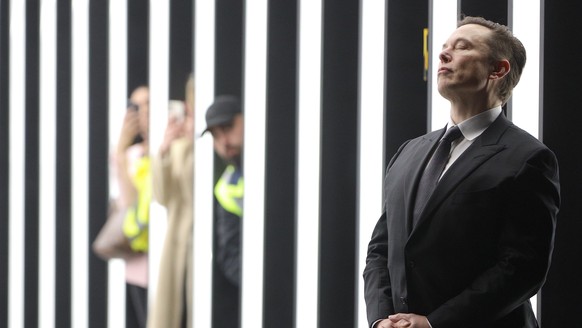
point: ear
(500, 69)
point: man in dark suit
(470, 249)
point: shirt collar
(474, 126)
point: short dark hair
(503, 45)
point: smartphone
(176, 110)
(132, 106)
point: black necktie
(434, 169)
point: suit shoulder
(430, 136)
(412, 145)
(521, 143)
(522, 138)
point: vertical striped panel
(561, 117)
(4, 158)
(308, 163)
(138, 39)
(255, 76)
(16, 165)
(228, 79)
(203, 162)
(281, 158)
(118, 44)
(98, 155)
(228, 70)
(181, 46)
(47, 188)
(159, 58)
(63, 284)
(229, 30)
(405, 84)
(31, 164)
(117, 104)
(159, 97)
(526, 105)
(370, 141)
(494, 10)
(526, 108)
(80, 166)
(338, 168)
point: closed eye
(463, 44)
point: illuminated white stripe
(255, 126)
(308, 162)
(16, 164)
(159, 80)
(47, 121)
(159, 67)
(80, 164)
(371, 126)
(117, 104)
(526, 107)
(443, 23)
(117, 72)
(204, 163)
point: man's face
(465, 65)
(228, 139)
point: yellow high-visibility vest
(230, 193)
(137, 217)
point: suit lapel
(417, 163)
(482, 149)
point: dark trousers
(136, 306)
(225, 302)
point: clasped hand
(404, 320)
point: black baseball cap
(222, 111)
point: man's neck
(235, 162)
(463, 110)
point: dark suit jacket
(482, 245)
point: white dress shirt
(471, 128)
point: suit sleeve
(531, 202)
(377, 287)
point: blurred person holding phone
(172, 170)
(125, 234)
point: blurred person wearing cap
(224, 120)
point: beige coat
(173, 188)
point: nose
(221, 138)
(444, 57)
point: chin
(443, 92)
